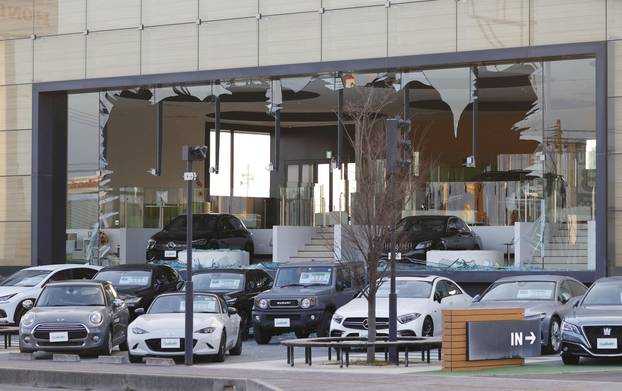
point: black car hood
(596, 314)
(180, 236)
(417, 237)
(131, 292)
(296, 291)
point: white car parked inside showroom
(160, 332)
(420, 301)
(28, 283)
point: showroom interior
(521, 172)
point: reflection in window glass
(252, 156)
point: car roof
(535, 277)
(145, 266)
(63, 266)
(428, 278)
(78, 282)
(203, 293)
(222, 270)
(317, 263)
(608, 279)
(430, 217)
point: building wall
(47, 40)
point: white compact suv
(28, 283)
(420, 301)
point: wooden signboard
(455, 343)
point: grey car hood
(65, 314)
(596, 314)
(296, 291)
(531, 307)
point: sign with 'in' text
(503, 339)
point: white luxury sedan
(28, 283)
(160, 332)
(420, 301)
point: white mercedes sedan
(160, 332)
(420, 301)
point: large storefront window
(506, 148)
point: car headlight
(424, 244)
(138, 330)
(199, 242)
(261, 303)
(408, 317)
(570, 328)
(307, 302)
(28, 319)
(337, 318)
(96, 318)
(7, 297)
(151, 244)
(132, 300)
(206, 330)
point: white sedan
(160, 332)
(420, 301)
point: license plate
(169, 343)
(59, 336)
(281, 322)
(607, 343)
(170, 254)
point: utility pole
(399, 153)
(190, 154)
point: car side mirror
(139, 311)
(577, 300)
(117, 303)
(27, 304)
(476, 298)
(564, 297)
(232, 310)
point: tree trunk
(371, 317)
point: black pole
(340, 128)
(277, 139)
(159, 137)
(189, 291)
(475, 112)
(392, 142)
(217, 131)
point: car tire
(245, 325)
(237, 349)
(323, 329)
(262, 337)
(106, 349)
(220, 357)
(20, 311)
(302, 334)
(22, 350)
(570, 359)
(554, 340)
(476, 247)
(135, 359)
(427, 329)
(123, 346)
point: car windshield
(199, 223)
(125, 279)
(26, 277)
(520, 290)
(421, 224)
(71, 296)
(405, 289)
(172, 304)
(218, 281)
(604, 294)
(304, 276)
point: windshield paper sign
(534, 294)
(134, 280)
(314, 278)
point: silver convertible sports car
(79, 316)
(546, 297)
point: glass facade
(52, 40)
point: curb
(134, 382)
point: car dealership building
(513, 104)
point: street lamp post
(190, 154)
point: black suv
(210, 231)
(138, 285)
(240, 286)
(304, 298)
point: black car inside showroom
(518, 176)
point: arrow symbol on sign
(531, 338)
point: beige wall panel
(113, 14)
(16, 107)
(567, 21)
(614, 68)
(289, 39)
(60, 58)
(15, 244)
(354, 33)
(16, 61)
(16, 19)
(274, 7)
(614, 20)
(423, 27)
(331, 4)
(157, 12)
(228, 44)
(169, 49)
(489, 24)
(15, 152)
(229, 9)
(104, 50)
(60, 16)
(15, 198)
